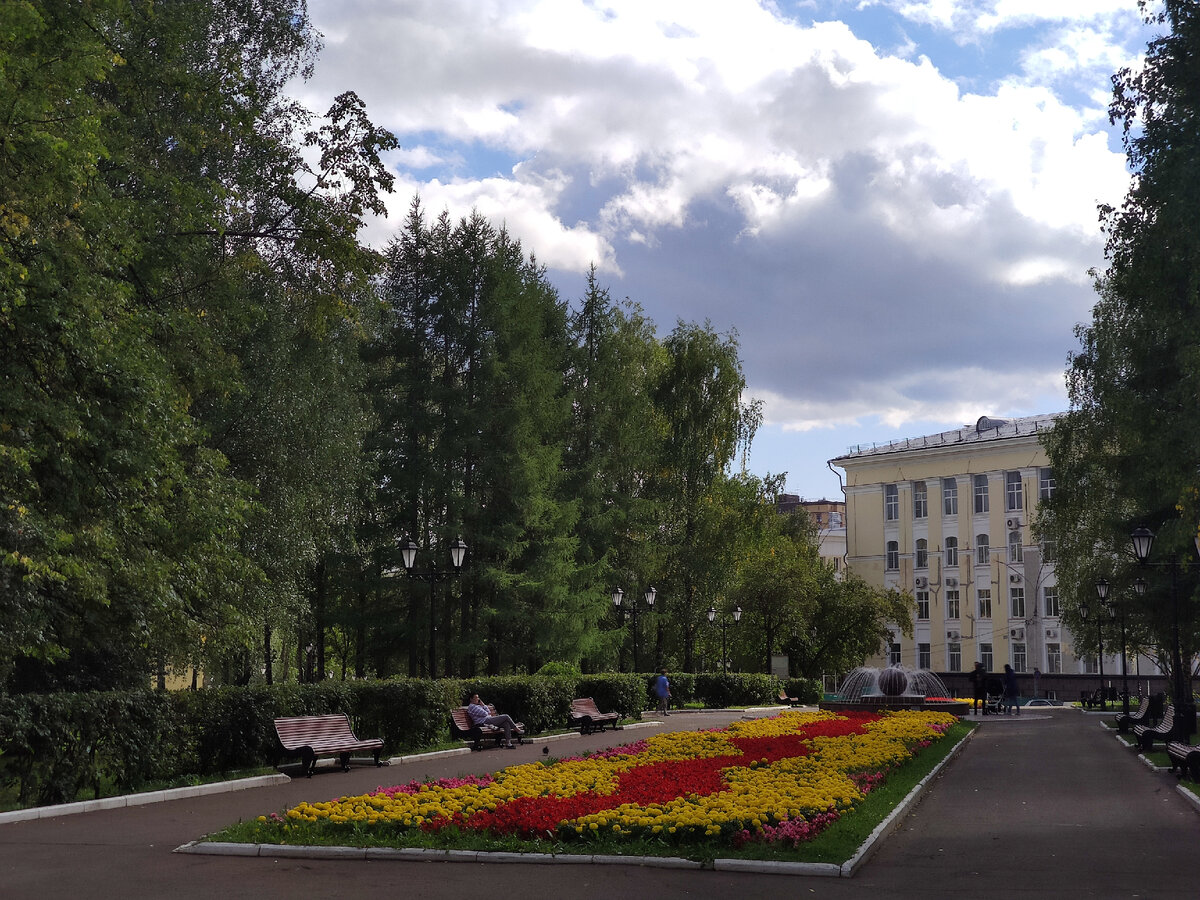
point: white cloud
(870, 222)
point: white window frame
(1014, 492)
(921, 554)
(983, 600)
(1016, 602)
(920, 500)
(983, 550)
(952, 603)
(891, 556)
(891, 503)
(982, 503)
(950, 496)
(951, 551)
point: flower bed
(777, 781)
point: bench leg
(344, 759)
(308, 761)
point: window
(985, 656)
(954, 657)
(894, 653)
(1016, 603)
(983, 552)
(985, 602)
(1049, 551)
(1050, 601)
(922, 553)
(923, 660)
(891, 559)
(1014, 547)
(835, 520)
(923, 605)
(950, 496)
(920, 500)
(1089, 665)
(1045, 484)
(981, 494)
(1053, 659)
(951, 604)
(891, 502)
(951, 551)
(1014, 499)
(1018, 651)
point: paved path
(1045, 805)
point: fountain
(895, 687)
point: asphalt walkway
(1047, 804)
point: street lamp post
(1185, 709)
(1102, 593)
(650, 596)
(408, 553)
(724, 624)
(1085, 613)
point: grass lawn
(819, 831)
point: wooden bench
(588, 717)
(1091, 700)
(1147, 734)
(1140, 716)
(311, 736)
(462, 728)
(1185, 759)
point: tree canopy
(1128, 451)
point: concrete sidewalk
(1040, 805)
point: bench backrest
(585, 706)
(298, 731)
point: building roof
(984, 429)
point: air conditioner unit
(951, 582)
(922, 581)
(1014, 522)
(953, 636)
(1052, 634)
(1017, 634)
(1014, 578)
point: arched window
(922, 553)
(891, 560)
(1014, 547)
(951, 551)
(982, 550)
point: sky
(893, 203)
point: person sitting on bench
(479, 714)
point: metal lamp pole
(724, 624)
(1185, 709)
(408, 552)
(650, 596)
(1102, 593)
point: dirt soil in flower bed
(763, 788)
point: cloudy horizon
(892, 202)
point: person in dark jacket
(979, 688)
(1010, 691)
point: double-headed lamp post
(1102, 593)
(1185, 708)
(724, 624)
(408, 553)
(650, 596)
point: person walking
(662, 690)
(978, 679)
(1010, 690)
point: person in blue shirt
(479, 714)
(662, 690)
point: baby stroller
(994, 704)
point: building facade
(947, 518)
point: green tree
(159, 218)
(698, 395)
(1127, 451)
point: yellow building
(947, 518)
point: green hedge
(55, 748)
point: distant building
(830, 519)
(946, 517)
